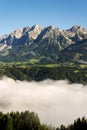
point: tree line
(30, 121)
(21, 121)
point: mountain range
(44, 45)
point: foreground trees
(20, 121)
(30, 121)
(79, 124)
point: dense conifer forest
(30, 121)
(74, 74)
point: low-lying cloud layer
(56, 102)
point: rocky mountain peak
(34, 31)
(17, 33)
(52, 27)
(50, 31)
(37, 42)
(3, 37)
(35, 27)
(76, 33)
(76, 28)
(26, 29)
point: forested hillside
(74, 74)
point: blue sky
(61, 13)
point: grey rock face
(40, 42)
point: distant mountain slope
(75, 52)
(43, 44)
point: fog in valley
(56, 102)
